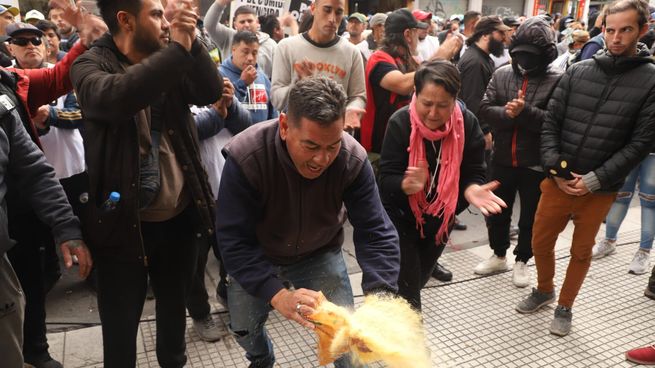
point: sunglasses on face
(36, 41)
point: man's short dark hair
(619, 6)
(269, 23)
(470, 15)
(318, 99)
(440, 72)
(46, 25)
(245, 36)
(109, 9)
(244, 9)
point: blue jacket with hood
(254, 97)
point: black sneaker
(459, 225)
(442, 274)
(649, 293)
(42, 361)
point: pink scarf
(452, 149)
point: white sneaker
(640, 262)
(603, 248)
(491, 265)
(520, 275)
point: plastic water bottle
(111, 202)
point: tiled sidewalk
(470, 322)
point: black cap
(15, 29)
(511, 22)
(488, 24)
(400, 20)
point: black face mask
(496, 48)
(528, 62)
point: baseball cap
(489, 24)
(12, 9)
(34, 14)
(359, 16)
(421, 16)
(15, 29)
(532, 49)
(401, 19)
(511, 22)
(377, 19)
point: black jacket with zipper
(394, 161)
(601, 118)
(516, 140)
(114, 97)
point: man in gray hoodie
(245, 19)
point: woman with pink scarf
(431, 168)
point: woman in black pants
(432, 164)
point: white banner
(262, 7)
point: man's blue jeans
(644, 174)
(324, 272)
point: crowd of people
(137, 140)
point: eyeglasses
(36, 41)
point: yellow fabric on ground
(384, 328)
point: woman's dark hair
(395, 45)
(269, 23)
(440, 72)
(109, 9)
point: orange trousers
(554, 211)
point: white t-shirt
(428, 47)
(500, 61)
(64, 148)
(211, 156)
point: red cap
(421, 15)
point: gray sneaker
(640, 262)
(535, 301)
(208, 329)
(561, 324)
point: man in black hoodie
(599, 126)
(514, 106)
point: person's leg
(588, 214)
(121, 293)
(248, 315)
(327, 273)
(30, 234)
(429, 254)
(647, 199)
(409, 280)
(620, 206)
(498, 225)
(198, 300)
(553, 212)
(173, 260)
(12, 304)
(529, 193)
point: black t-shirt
(384, 107)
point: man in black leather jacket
(599, 126)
